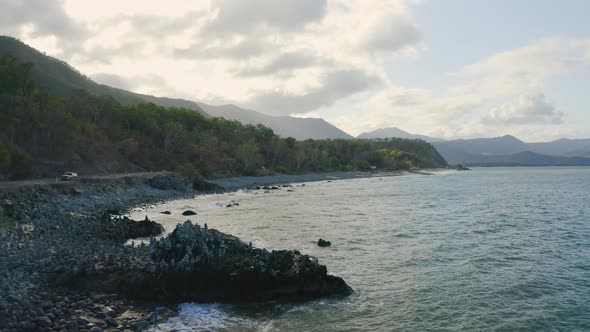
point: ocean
(492, 249)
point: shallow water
(493, 249)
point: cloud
(282, 57)
(332, 87)
(235, 49)
(284, 62)
(116, 81)
(242, 17)
(322, 57)
(525, 68)
(42, 17)
(524, 110)
(476, 104)
(150, 84)
(384, 34)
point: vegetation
(43, 133)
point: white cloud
(524, 110)
(280, 57)
(237, 17)
(526, 68)
(332, 86)
(463, 110)
(45, 17)
(295, 57)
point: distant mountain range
(285, 126)
(505, 150)
(396, 132)
(509, 150)
(60, 78)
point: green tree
(248, 154)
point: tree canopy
(43, 134)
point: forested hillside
(59, 78)
(43, 133)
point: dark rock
(72, 326)
(201, 184)
(76, 191)
(110, 312)
(324, 243)
(152, 318)
(95, 329)
(29, 326)
(100, 315)
(189, 213)
(9, 208)
(139, 326)
(116, 211)
(166, 212)
(132, 229)
(44, 322)
(164, 182)
(111, 321)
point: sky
(444, 68)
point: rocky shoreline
(64, 265)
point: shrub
(281, 169)
(189, 172)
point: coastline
(82, 205)
(241, 182)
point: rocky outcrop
(324, 243)
(200, 184)
(166, 182)
(194, 263)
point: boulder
(165, 182)
(9, 208)
(125, 228)
(166, 212)
(200, 184)
(189, 213)
(324, 243)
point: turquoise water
(493, 249)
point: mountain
(509, 150)
(43, 134)
(396, 132)
(526, 158)
(284, 126)
(60, 78)
(504, 145)
(563, 147)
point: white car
(69, 176)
